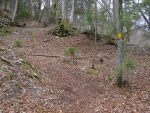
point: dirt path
(65, 88)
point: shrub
(129, 64)
(71, 51)
(18, 43)
(64, 28)
(71, 54)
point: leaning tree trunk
(15, 11)
(120, 44)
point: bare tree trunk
(75, 15)
(32, 5)
(63, 11)
(95, 22)
(114, 14)
(15, 11)
(120, 44)
(56, 8)
(72, 12)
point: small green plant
(25, 64)
(129, 64)
(17, 43)
(91, 71)
(109, 78)
(71, 53)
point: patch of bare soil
(60, 87)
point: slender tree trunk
(32, 8)
(56, 8)
(114, 15)
(75, 13)
(15, 11)
(95, 22)
(39, 10)
(63, 14)
(120, 44)
(72, 12)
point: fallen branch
(53, 56)
(79, 58)
(8, 62)
(47, 56)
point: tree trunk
(114, 15)
(32, 7)
(95, 22)
(120, 44)
(63, 11)
(72, 12)
(75, 13)
(15, 11)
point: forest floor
(35, 79)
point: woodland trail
(67, 88)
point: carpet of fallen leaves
(59, 87)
